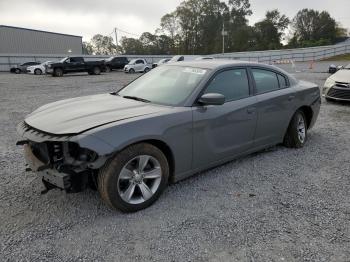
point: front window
(233, 84)
(167, 85)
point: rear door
(276, 105)
(221, 132)
(119, 63)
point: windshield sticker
(197, 71)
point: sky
(89, 17)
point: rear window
(265, 80)
(282, 81)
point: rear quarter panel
(308, 94)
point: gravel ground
(276, 205)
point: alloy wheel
(139, 179)
(301, 128)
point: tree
(268, 32)
(170, 25)
(341, 33)
(88, 49)
(312, 27)
(131, 46)
(103, 45)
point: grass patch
(338, 58)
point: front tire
(96, 70)
(58, 72)
(131, 71)
(38, 71)
(296, 135)
(134, 179)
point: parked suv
(115, 62)
(137, 65)
(73, 65)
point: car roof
(219, 63)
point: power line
(126, 32)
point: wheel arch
(162, 146)
(308, 112)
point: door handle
(290, 98)
(251, 110)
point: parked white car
(161, 62)
(337, 86)
(137, 65)
(38, 69)
(205, 58)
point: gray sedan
(167, 125)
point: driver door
(139, 65)
(74, 64)
(224, 131)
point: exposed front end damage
(59, 160)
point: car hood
(342, 76)
(76, 115)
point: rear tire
(146, 70)
(134, 179)
(296, 134)
(38, 71)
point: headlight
(329, 83)
(49, 66)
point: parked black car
(115, 62)
(22, 68)
(73, 65)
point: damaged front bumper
(59, 160)
(51, 176)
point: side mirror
(212, 99)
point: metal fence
(296, 55)
(271, 56)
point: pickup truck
(137, 65)
(73, 65)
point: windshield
(175, 58)
(110, 59)
(167, 85)
(63, 59)
(132, 61)
(164, 60)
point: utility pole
(116, 36)
(223, 37)
(224, 33)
